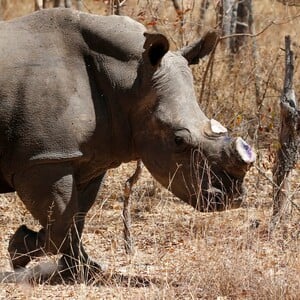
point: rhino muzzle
(218, 175)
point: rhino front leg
(86, 198)
(49, 192)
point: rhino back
(67, 88)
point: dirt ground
(179, 253)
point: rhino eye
(182, 139)
(179, 140)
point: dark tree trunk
(116, 7)
(235, 17)
(243, 22)
(289, 139)
(180, 15)
(59, 3)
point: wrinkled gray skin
(80, 94)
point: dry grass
(182, 253)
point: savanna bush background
(182, 253)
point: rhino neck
(121, 141)
(110, 142)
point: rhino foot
(85, 270)
(24, 246)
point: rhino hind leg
(50, 193)
(68, 267)
(24, 246)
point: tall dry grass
(182, 253)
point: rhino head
(189, 154)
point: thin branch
(209, 65)
(267, 82)
(86, 7)
(263, 30)
(263, 173)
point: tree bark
(234, 17)
(289, 140)
(59, 3)
(180, 15)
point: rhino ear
(156, 46)
(192, 53)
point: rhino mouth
(213, 188)
(218, 196)
(218, 174)
(219, 199)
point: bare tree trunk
(79, 5)
(255, 54)
(224, 12)
(289, 138)
(257, 80)
(234, 17)
(59, 3)
(244, 18)
(68, 3)
(116, 7)
(180, 15)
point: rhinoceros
(83, 93)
